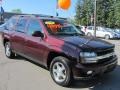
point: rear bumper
(89, 71)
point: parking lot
(21, 74)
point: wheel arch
(107, 34)
(54, 54)
(5, 40)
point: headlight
(88, 54)
(88, 57)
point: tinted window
(21, 25)
(33, 26)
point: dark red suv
(59, 46)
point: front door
(34, 46)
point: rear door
(99, 32)
(18, 37)
(90, 30)
(35, 47)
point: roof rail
(48, 16)
(40, 15)
(24, 15)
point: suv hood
(87, 43)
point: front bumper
(91, 70)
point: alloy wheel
(59, 72)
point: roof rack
(40, 15)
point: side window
(21, 25)
(10, 25)
(90, 28)
(33, 26)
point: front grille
(104, 52)
(105, 60)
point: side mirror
(38, 34)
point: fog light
(89, 72)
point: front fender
(70, 52)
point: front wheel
(8, 51)
(60, 71)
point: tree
(111, 14)
(78, 15)
(108, 12)
(117, 13)
(17, 11)
(84, 11)
(71, 20)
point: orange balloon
(64, 4)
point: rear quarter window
(11, 23)
(21, 25)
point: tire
(107, 37)
(60, 71)
(89, 34)
(8, 51)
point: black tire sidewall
(66, 63)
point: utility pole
(1, 13)
(95, 15)
(57, 7)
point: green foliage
(117, 13)
(17, 11)
(84, 11)
(108, 12)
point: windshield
(60, 27)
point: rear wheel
(8, 51)
(60, 71)
(107, 37)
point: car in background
(117, 30)
(83, 28)
(80, 29)
(102, 32)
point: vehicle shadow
(25, 59)
(109, 81)
(115, 39)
